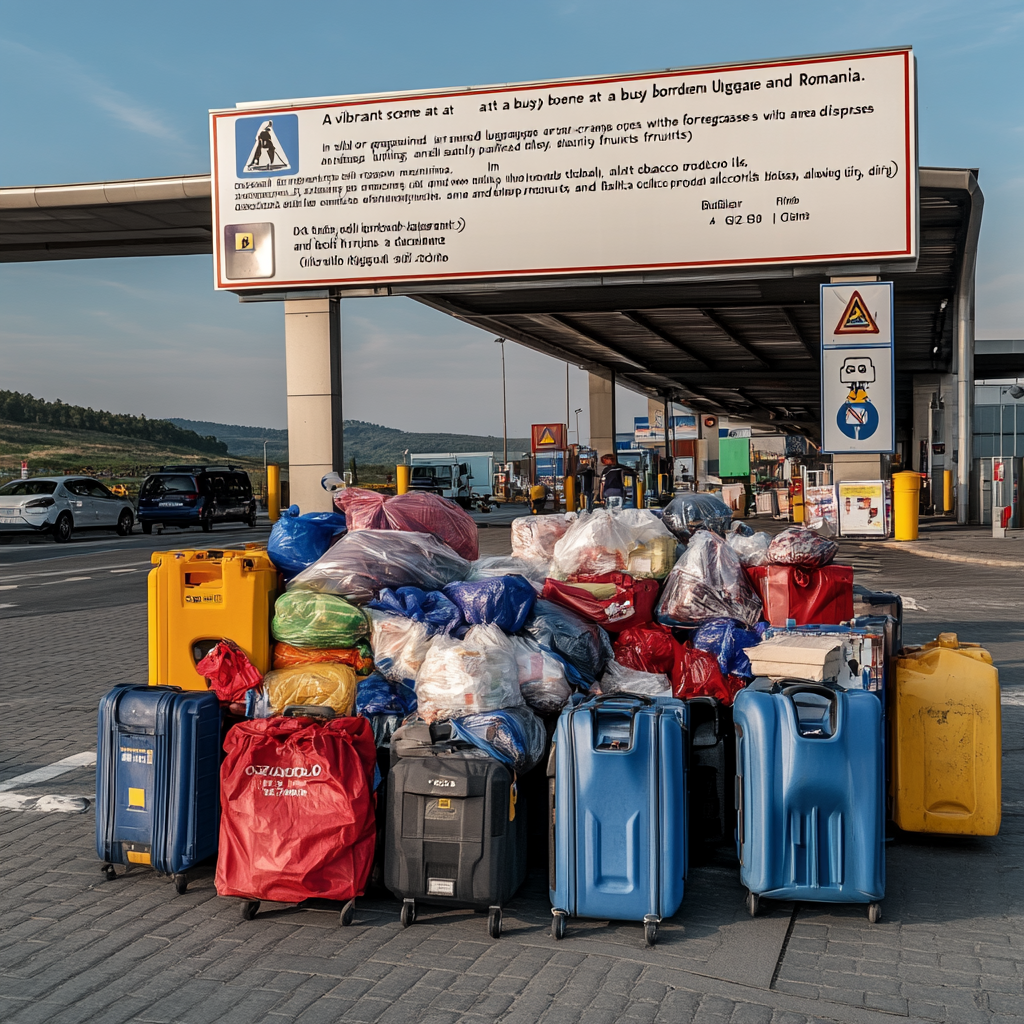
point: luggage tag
(513, 798)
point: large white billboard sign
(789, 161)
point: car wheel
(125, 522)
(147, 528)
(63, 528)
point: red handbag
(631, 605)
(297, 809)
(808, 596)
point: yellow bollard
(947, 490)
(570, 494)
(402, 474)
(274, 492)
(906, 497)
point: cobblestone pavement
(74, 948)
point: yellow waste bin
(947, 740)
(197, 598)
(906, 496)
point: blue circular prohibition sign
(858, 420)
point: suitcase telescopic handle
(821, 691)
(634, 698)
(321, 711)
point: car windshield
(158, 486)
(22, 487)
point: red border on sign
(270, 284)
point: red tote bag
(809, 596)
(632, 604)
(297, 809)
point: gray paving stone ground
(74, 948)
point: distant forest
(19, 408)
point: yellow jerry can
(947, 740)
(197, 598)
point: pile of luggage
(367, 702)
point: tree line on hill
(18, 408)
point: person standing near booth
(613, 482)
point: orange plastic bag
(288, 656)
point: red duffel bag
(809, 596)
(631, 604)
(297, 809)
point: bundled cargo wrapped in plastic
(514, 736)
(463, 677)
(620, 679)
(413, 512)
(504, 601)
(687, 513)
(297, 541)
(542, 675)
(375, 695)
(727, 641)
(325, 684)
(583, 644)
(399, 645)
(534, 537)
(430, 607)
(307, 619)
(508, 565)
(613, 600)
(289, 656)
(801, 547)
(604, 541)
(364, 562)
(750, 547)
(708, 582)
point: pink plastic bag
(414, 512)
(802, 547)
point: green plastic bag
(308, 619)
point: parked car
(196, 496)
(60, 505)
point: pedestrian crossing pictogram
(856, 318)
(267, 152)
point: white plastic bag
(399, 645)
(534, 537)
(752, 548)
(541, 675)
(464, 677)
(619, 679)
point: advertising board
(798, 160)
(862, 508)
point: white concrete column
(312, 339)
(602, 414)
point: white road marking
(10, 586)
(911, 605)
(86, 759)
(113, 571)
(1014, 697)
(8, 606)
(51, 804)
(64, 572)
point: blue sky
(109, 90)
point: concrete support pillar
(602, 415)
(312, 338)
(860, 467)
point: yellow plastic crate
(199, 597)
(947, 740)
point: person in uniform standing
(613, 482)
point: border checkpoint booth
(619, 223)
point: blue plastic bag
(725, 639)
(504, 601)
(514, 736)
(584, 645)
(376, 696)
(297, 541)
(430, 607)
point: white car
(60, 505)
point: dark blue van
(196, 496)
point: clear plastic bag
(514, 736)
(534, 537)
(708, 582)
(504, 601)
(360, 565)
(801, 547)
(687, 513)
(751, 548)
(307, 619)
(465, 677)
(542, 677)
(399, 645)
(376, 696)
(430, 607)
(330, 685)
(619, 679)
(297, 541)
(505, 565)
(609, 541)
(585, 645)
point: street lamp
(504, 407)
(578, 411)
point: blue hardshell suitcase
(619, 811)
(809, 795)
(157, 778)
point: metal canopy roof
(744, 342)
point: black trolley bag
(711, 775)
(456, 833)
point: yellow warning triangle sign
(546, 437)
(856, 318)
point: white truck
(465, 477)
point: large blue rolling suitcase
(618, 811)
(157, 779)
(810, 803)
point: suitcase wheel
(180, 884)
(558, 924)
(108, 872)
(494, 922)
(874, 912)
(651, 923)
(408, 913)
(347, 913)
(249, 908)
(753, 904)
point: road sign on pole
(857, 378)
